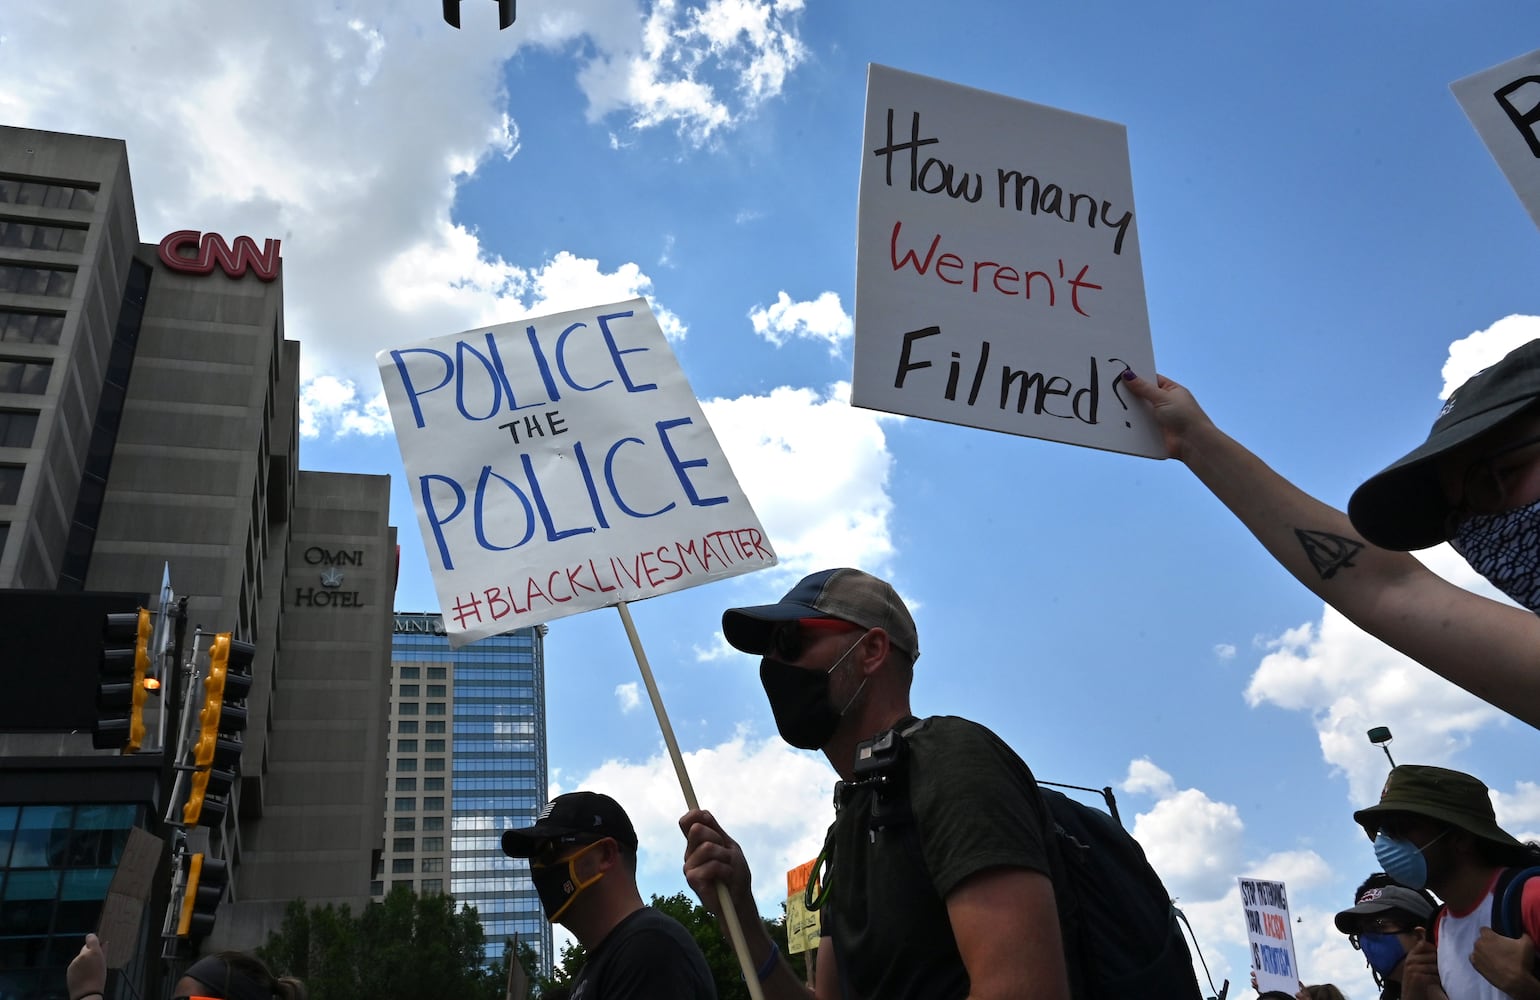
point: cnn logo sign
(192, 252)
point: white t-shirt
(1457, 935)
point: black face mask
(799, 699)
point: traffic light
(121, 688)
(217, 752)
(206, 881)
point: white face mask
(1504, 548)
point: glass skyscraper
(467, 760)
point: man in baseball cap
(978, 917)
(582, 860)
(1383, 924)
(1435, 828)
(1474, 482)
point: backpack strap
(1508, 901)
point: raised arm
(1490, 649)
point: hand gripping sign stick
(730, 915)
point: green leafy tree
(406, 947)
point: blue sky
(1321, 231)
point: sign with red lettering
(560, 464)
(192, 252)
(1504, 104)
(1268, 929)
(998, 281)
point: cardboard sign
(127, 894)
(803, 926)
(1271, 935)
(998, 281)
(1504, 105)
(562, 463)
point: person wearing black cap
(582, 859)
(970, 911)
(1435, 828)
(1382, 924)
(1475, 482)
(230, 975)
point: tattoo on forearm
(1328, 553)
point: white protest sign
(1504, 105)
(998, 281)
(561, 463)
(1271, 935)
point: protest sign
(802, 924)
(998, 280)
(1271, 935)
(1504, 104)
(127, 893)
(562, 463)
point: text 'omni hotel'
(149, 417)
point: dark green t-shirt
(648, 956)
(975, 806)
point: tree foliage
(406, 947)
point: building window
(433, 844)
(406, 804)
(437, 674)
(58, 282)
(29, 377)
(402, 845)
(21, 327)
(432, 886)
(406, 784)
(433, 764)
(431, 802)
(434, 746)
(434, 707)
(401, 866)
(432, 864)
(402, 746)
(407, 708)
(409, 673)
(25, 235)
(407, 726)
(407, 690)
(406, 765)
(16, 191)
(435, 727)
(433, 822)
(377, 888)
(406, 824)
(436, 690)
(433, 784)
(10, 482)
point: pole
(729, 915)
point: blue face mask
(1383, 951)
(1403, 860)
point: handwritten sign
(998, 282)
(1504, 105)
(1271, 935)
(127, 893)
(562, 463)
(803, 926)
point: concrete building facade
(149, 418)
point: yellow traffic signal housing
(121, 692)
(217, 750)
(207, 879)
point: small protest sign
(803, 926)
(562, 463)
(1271, 935)
(998, 280)
(1504, 104)
(127, 893)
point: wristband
(767, 970)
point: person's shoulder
(652, 924)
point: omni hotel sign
(420, 625)
(330, 594)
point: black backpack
(1120, 930)
(1507, 904)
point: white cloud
(778, 815)
(345, 129)
(1224, 650)
(821, 319)
(1486, 347)
(1193, 841)
(816, 471)
(720, 649)
(1518, 811)
(334, 405)
(628, 696)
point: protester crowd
(947, 871)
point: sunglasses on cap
(789, 640)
